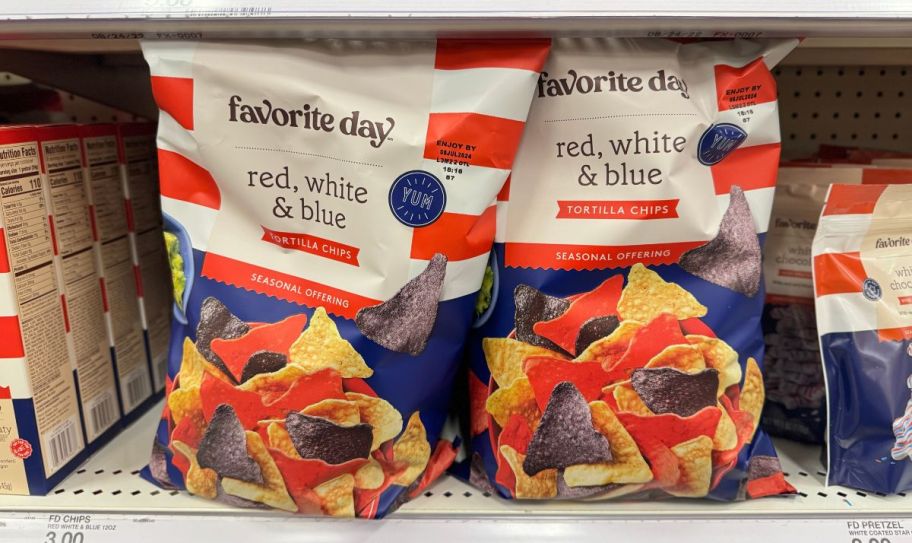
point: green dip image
(484, 295)
(178, 279)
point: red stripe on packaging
(283, 286)
(504, 194)
(175, 96)
(895, 334)
(183, 179)
(11, 346)
(636, 210)
(593, 257)
(456, 54)
(4, 257)
(458, 236)
(472, 138)
(137, 277)
(852, 199)
(750, 168)
(128, 211)
(66, 313)
(5, 393)
(104, 295)
(838, 273)
(749, 85)
(92, 222)
(53, 235)
(314, 245)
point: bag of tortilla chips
(621, 353)
(329, 210)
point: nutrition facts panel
(107, 192)
(65, 177)
(124, 312)
(73, 230)
(40, 313)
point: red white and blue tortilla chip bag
(329, 211)
(619, 355)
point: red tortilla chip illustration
(367, 500)
(478, 395)
(441, 460)
(649, 341)
(769, 486)
(310, 472)
(308, 390)
(600, 301)
(359, 385)
(695, 326)
(189, 430)
(516, 434)
(248, 405)
(724, 461)
(276, 338)
(504, 475)
(671, 429)
(544, 373)
(662, 462)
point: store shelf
(109, 483)
(224, 18)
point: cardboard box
(40, 429)
(140, 185)
(77, 277)
(119, 278)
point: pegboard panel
(867, 106)
(24, 101)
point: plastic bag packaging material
(795, 391)
(863, 287)
(621, 352)
(329, 211)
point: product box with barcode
(41, 438)
(144, 220)
(77, 277)
(115, 263)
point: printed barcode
(137, 389)
(102, 414)
(63, 445)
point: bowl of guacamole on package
(180, 260)
(484, 304)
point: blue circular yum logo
(417, 198)
(871, 290)
(718, 141)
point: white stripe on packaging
(461, 275)
(170, 58)
(8, 305)
(847, 312)
(473, 190)
(15, 376)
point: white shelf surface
(108, 483)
